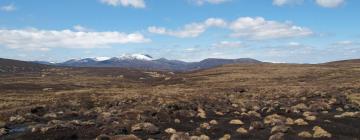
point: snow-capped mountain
(136, 56)
(144, 61)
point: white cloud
(330, 3)
(201, 2)
(190, 49)
(287, 2)
(189, 30)
(226, 44)
(126, 3)
(245, 27)
(259, 28)
(346, 43)
(81, 28)
(34, 39)
(8, 8)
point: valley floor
(247, 101)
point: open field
(247, 101)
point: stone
(256, 125)
(170, 131)
(300, 122)
(219, 113)
(310, 118)
(299, 107)
(213, 122)
(236, 122)
(289, 121)
(226, 137)
(320, 133)
(177, 121)
(205, 126)
(17, 119)
(279, 128)
(277, 136)
(201, 113)
(242, 130)
(348, 114)
(148, 128)
(307, 113)
(319, 106)
(254, 113)
(125, 137)
(305, 134)
(50, 116)
(201, 137)
(274, 119)
(180, 136)
(3, 131)
(339, 109)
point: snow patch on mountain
(137, 56)
(102, 58)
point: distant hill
(146, 62)
(15, 66)
(350, 61)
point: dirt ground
(247, 101)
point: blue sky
(295, 31)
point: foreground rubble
(231, 102)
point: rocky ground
(262, 101)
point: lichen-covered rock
(310, 118)
(213, 122)
(3, 131)
(289, 121)
(125, 137)
(226, 137)
(279, 128)
(300, 122)
(205, 126)
(242, 130)
(180, 136)
(148, 128)
(274, 119)
(256, 125)
(277, 136)
(320, 133)
(170, 131)
(348, 114)
(305, 134)
(201, 113)
(17, 119)
(236, 122)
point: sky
(283, 31)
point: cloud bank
(125, 3)
(257, 28)
(34, 39)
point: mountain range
(143, 61)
